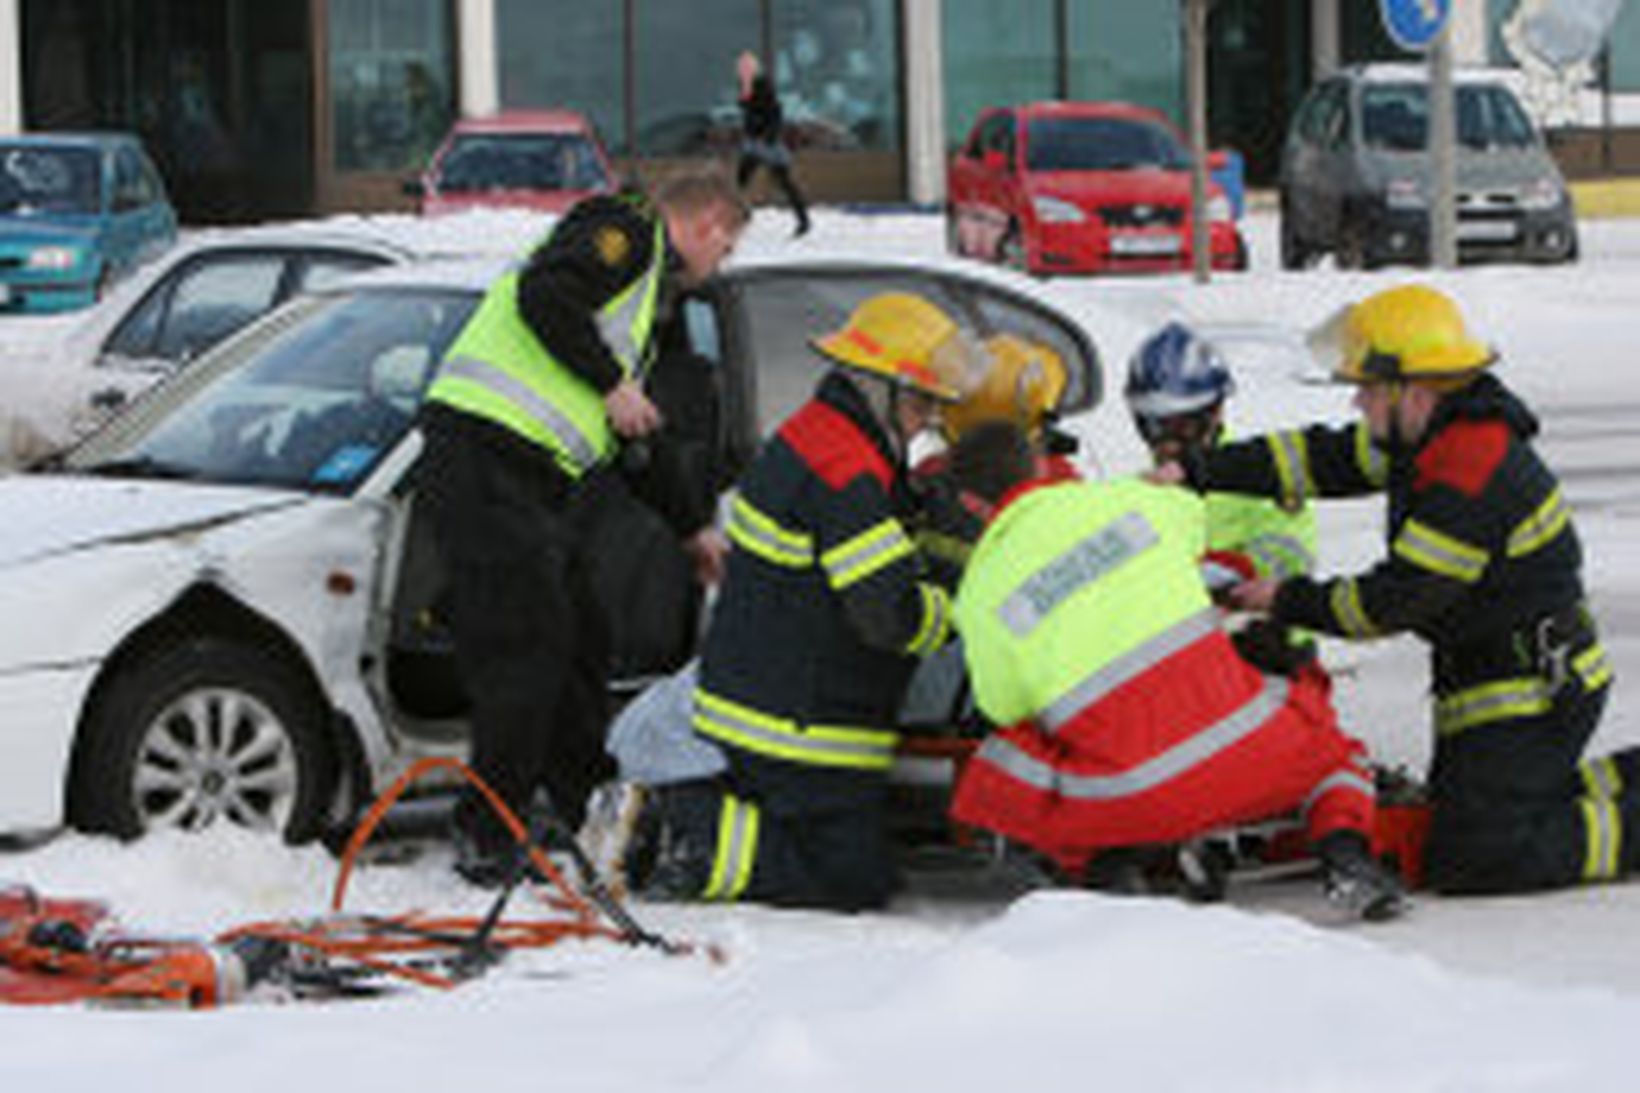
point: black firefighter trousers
(1516, 810)
(529, 641)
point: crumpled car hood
(48, 515)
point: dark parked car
(1356, 174)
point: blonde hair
(700, 188)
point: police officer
(822, 614)
(535, 395)
(1483, 563)
(1124, 715)
(1177, 387)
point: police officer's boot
(1357, 883)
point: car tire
(203, 730)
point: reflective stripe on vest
(936, 620)
(1369, 459)
(498, 370)
(1348, 612)
(1177, 760)
(739, 823)
(1129, 665)
(783, 738)
(754, 530)
(1541, 527)
(880, 545)
(1291, 456)
(1439, 553)
(1280, 555)
(1349, 780)
(1601, 778)
(1501, 700)
(1593, 667)
(1073, 570)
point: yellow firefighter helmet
(905, 339)
(1023, 384)
(1409, 333)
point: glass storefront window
(389, 82)
(995, 55)
(565, 53)
(837, 70)
(1130, 52)
(686, 86)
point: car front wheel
(205, 731)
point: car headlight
(1405, 193)
(1542, 194)
(53, 258)
(1219, 208)
(1056, 210)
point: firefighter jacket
(1127, 717)
(823, 606)
(548, 342)
(1482, 554)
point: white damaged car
(222, 607)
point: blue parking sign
(1414, 24)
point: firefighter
(822, 614)
(1177, 387)
(1483, 563)
(536, 394)
(1125, 716)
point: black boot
(1355, 882)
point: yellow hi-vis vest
(498, 370)
(1077, 588)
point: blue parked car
(77, 210)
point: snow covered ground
(967, 983)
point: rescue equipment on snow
(68, 950)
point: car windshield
(521, 161)
(309, 399)
(38, 179)
(1395, 117)
(1101, 144)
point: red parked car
(1081, 187)
(530, 159)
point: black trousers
(822, 837)
(1510, 801)
(529, 643)
(782, 173)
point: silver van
(1356, 179)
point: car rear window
(1395, 118)
(1101, 144)
(36, 179)
(521, 161)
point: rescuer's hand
(630, 411)
(1258, 596)
(708, 549)
(1170, 473)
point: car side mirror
(412, 187)
(994, 160)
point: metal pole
(1195, 51)
(1443, 204)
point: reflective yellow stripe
(1602, 778)
(866, 553)
(1538, 529)
(1593, 666)
(1372, 463)
(1280, 555)
(946, 548)
(936, 620)
(1603, 832)
(1438, 552)
(1292, 461)
(739, 823)
(1527, 696)
(1345, 600)
(758, 532)
(783, 738)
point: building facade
(258, 110)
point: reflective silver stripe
(1126, 667)
(1603, 830)
(1506, 699)
(1344, 779)
(1075, 569)
(1602, 778)
(858, 558)
(738, 823)
(936, 620)
(575, 443)
(1369, 460)
(1540, 528)
(1281, 555)
(1345, 600)
(1179, 759)
(760, 533)
(784, 739)
(1440, 553)
(616, 324)
(1292, 462)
